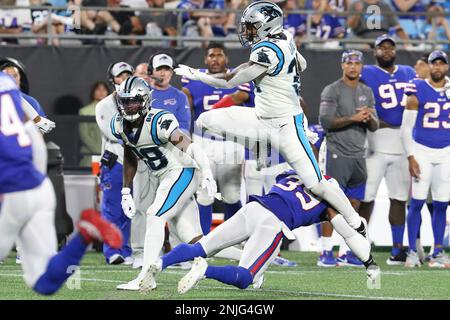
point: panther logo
(165, 124)
(270, 12)
(263, 57)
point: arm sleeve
(328, 107)
(30, 112)
(406, 130)
(245, 75)
(35, 104)
(39, 148)
(163, 125)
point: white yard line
(318, 294)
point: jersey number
(296, 79)
(152, 157)
(209, 101)
(387, 91)
(10, 123)
(307, 201)
(430, 118)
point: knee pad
(155, 220)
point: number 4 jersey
(390, 101)
(432, 128)
(17, 171)
(150, 142)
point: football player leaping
(275, 67)
(262, 222)
(153, 136)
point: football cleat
(327, 259)
(258, 282)
(133, 285)
(440, 260)
(397, 260)
(283, 262)
(420, 251)
(349, 260)
(412, 260)
(193, 277)
(148, 281)
(373, 277)
(93, 227)
(116, 259)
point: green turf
(98, 281)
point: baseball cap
(162, 59)
(352, 56)
(382, 38)
(438, 54)
(120, 67)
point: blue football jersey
(17, 171)
(432, 128)
(292, 203)
(205, 96)
(388, 89)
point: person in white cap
(112, 166)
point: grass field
(98, 281)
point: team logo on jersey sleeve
(165, 125)
(263, 57)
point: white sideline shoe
(412, 260)
(193, 277)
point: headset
(109, 75)
(11, 62)
(150, 61)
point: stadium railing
(181, 39)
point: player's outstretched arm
(130, 163)
(243, 75)
(408, 123)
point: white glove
(45, 125)
(188, 72)
(209, 184)
(312, 136)
(128, 206)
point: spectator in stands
(412, 24)
(295, 23)
(129, 23)
(90, 135)
(157, 24)
(232, 19)
(60, 21)
(438, 28)
(13, 21)
(325, 26)
(96, 22)
(207, 24)
(422, 68)
(367, 24)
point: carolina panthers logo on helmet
(270, 12)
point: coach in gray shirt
(346, 113)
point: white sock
(357, 243)
(327, 244)
(154, 240)
(230, 253)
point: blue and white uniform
(431, 134)
(27, 199)
(386, 156)
(176, 172)
(225, 157)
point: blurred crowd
(325, 26)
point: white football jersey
(150, 142)
(277, 91)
